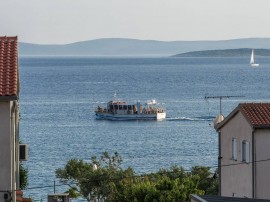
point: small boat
(252, 61)
(121, 110)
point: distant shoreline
(241, 52)
(134, 48)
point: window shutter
(241, 156)
(247, 152)
(234, 145)
(23, 152)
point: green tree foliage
(108, 181)
(73, 192)
(95, 179)
(207, 182)
(23, 177)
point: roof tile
(258, 114)
(8, 66)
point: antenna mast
(220, 98)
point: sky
(68, 21)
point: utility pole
(220, 98)
(54, 186)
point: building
(9, 119)
(61, 197)
(196, 198)
(244, 152)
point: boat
(252, 61)
(122, 110)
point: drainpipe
(15, 150)
(219, 163)
(17, 144)
(253, 164)
(12, 147)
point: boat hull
(123, 117)
(254, 65)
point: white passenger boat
(121, 110)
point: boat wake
(200, 118)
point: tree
(207, 182)
(23, 176)
(103, 178)
(95, 179)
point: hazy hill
(225, 53)
(133, 47)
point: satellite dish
(218, 119)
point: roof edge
(234, 112)
(197, 198)
(261, 127)
(9, 98)
(231, 115)
(9, 37)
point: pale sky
(67, 21)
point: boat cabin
(119, 107)
(126, 111)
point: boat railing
(153, 110)
(101, 109)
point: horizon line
(119, 38)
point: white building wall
(7, 154)
(262, 139)
(236, 178)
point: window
(234, 149)
(245, 151)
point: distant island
(147, 48)
(241, 52)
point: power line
(48, 186)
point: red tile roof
(9, 66)
(19, 195)
(258, 114)
(20, 198)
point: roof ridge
(9, 37)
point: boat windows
(129, 107)
(125, 107)
(115, 106)
(120, 106)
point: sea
(58, 96)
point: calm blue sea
(58, 123)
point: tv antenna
(220, 98)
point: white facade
(236, 175)
(244, 154)
(9, 154)
(9, 119)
